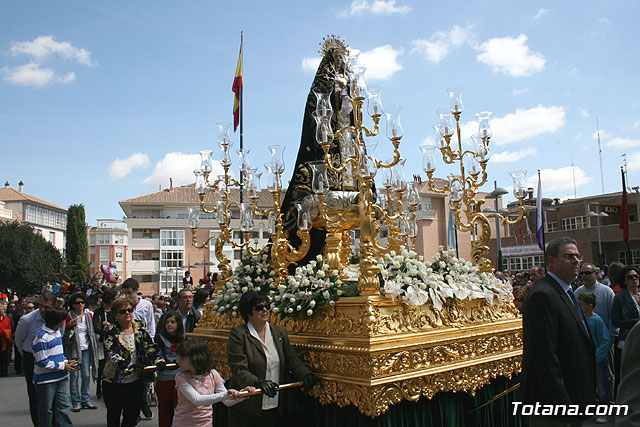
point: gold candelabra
(463, 188)
(355, 204)
(282, 252)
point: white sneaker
(602, 420)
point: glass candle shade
(455, 188)
(484, 129)
(200, 181)
(205, 161)
(304, 218)
(428, 158)
(374, 103)
(455, 99)
(324, 132)
(223, 132)
(194, 216)
(246, 217)
(399, 182)
(519, 185)
(471, 165)
(394, 126)
(447, 122)
(221, 212)
(319, 179)
(323, 104)
(277, 157)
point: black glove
(309, 381)
(269, 388)
(161, 366)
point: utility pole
(600, 154)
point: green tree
(77, 244)
(27, 260)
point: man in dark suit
(559, 354)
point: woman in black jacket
(101, 318)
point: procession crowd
(136, 350)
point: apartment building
(47, 219)
(108, 242)
(592, 221)
(160, 242)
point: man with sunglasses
(604, 303)
(26, 332)
(558, 352)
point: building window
(171, 258)
(635, 255)
(118, 239)
(523, 263)
(92, 239)
(119, 253)
(425, 205)
(575, 223)
(103, 239)
(104, 255)
(52, 237)
(552, 226)
(172, 238)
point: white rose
(275, 310)
(442, 264)
(312, 303)
(339, 292)
(332, 303)
(298, 308)
(309, 312)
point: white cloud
(634, 162)
(604, 21)
(615, 142)
(622, 143)
(438, 46)
(179, 167)
(311, 63)
(636, 125)
(522, 124)
(511, 56)
(381, 62)
(541, 13)
(560, 179)
(122, 167)
(584, 112)
(513, 156)
(33, 74)
(375, 7)
(517, 92)
(44, 47)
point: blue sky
(101, 101)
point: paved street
(14, 410)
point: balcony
(144, 244)
(425, 214)
(143, 266)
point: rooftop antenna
(573, 172)
(600, 155)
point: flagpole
(544, 242)
(241, 108)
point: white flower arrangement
(253, 272)
(446, 279)
(310, 287)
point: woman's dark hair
(614, 272)
(250, 299)
(623, 274)
(198, 353)
(120, 303)
(54, 316)
(75, 297)
(179, 335)
(200, 297)
(108, 296)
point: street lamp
(495, 194)
(599, 215)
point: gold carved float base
(372, 352)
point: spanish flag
(237, 90)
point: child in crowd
(602, 341)
(51, 371)
(199, 386)
(169, 335)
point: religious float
(395, 339)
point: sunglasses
(126, 310)
(261, 307)
(632, 277)
(586, 273)
(77, 302)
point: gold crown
(333, 42)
